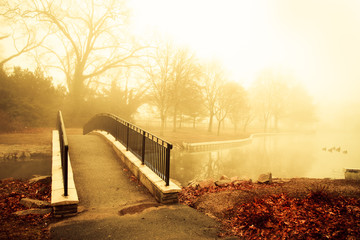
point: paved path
(99, 175)
(114, 206)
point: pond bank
(215, 145)
(288, 208)
(24, 160)
(23, 152)
(27, 153)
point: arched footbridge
(96, 167)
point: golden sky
(318, 41)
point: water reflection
(25, 169)
(285, 156)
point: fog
(317, 41)
(194, 71)
(285, 156)
(312, 44)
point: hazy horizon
(317, 42)
(314, 42)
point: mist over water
(26, 169)
(285, 156)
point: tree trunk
(265, 124)
(181, 119)
(276, 122)
(210, 121)
(246, 123)
(244, 128)
(218, 130)
(174, 119)
(162, 118)
(77, 94)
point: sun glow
(239, 33)
(317, 41)
(314, 41)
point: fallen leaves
(189, 195)
(277, 216)
(22, 227)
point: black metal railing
(64, 150)
(153, 151)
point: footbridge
(94, 169)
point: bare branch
(115, 63)
(30, 44)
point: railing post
(116, 131)
(127, 136)
(66, 151)
(167, 167)
(143, 149)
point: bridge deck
(99, 175)
(104, 188)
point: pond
(285, 156)
(25, 169)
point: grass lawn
(191, 135)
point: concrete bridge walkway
(112, 205)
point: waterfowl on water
(338, 149)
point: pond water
(24, 169)
(285, 156)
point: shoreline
(212, 145)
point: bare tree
(21, 37)
(263, 98)
(270, 95)
(213, 78)
(247, 115)
(184, 73)
(239, 113)
(123, 97)
(90, 38)
(301, 111)
(229, 99)
(159, 70)
(193, 104)
(171, 73)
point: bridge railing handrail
(153, 151)
(64, 150)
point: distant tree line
(106, 69)
(28, 99)
(181, 86)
